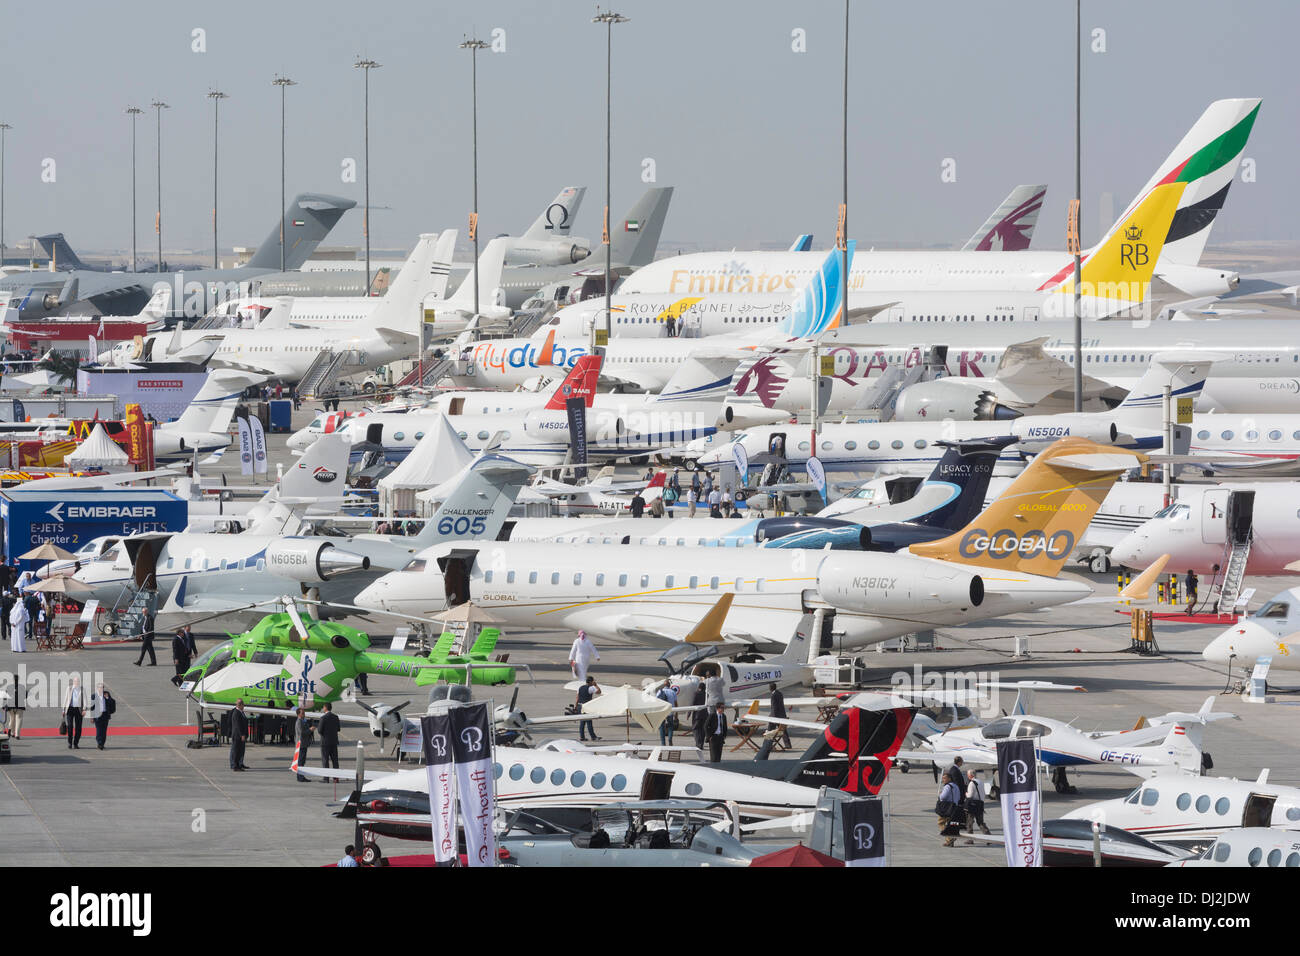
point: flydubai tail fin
(557, 218)
(818, 306)
(967, 466)
(1206, 159)
(1011, 226)
(321, 471)
(855, 753)
(633, 241)
(478, 506)
(1034, 525)
(579, 383)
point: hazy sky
(745, 128)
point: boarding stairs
(323, 374)
(130, 622)
(426, 374)
(1240, 533)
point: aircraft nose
(1128, 552)
(1225, 646)
(371, 596)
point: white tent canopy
(437, 456)
(98, 451)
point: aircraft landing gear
(1061, 782)
(371, 855)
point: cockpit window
(219, 657)
(1176, 511)
(416, 564)
(997, 729)
(1030, 728)
(1133, 797)
(1275, 609)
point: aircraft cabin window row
(577, 778)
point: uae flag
(1022, 812)
(471, 740)
(631, 225)
(864, 832)
(440, 768)
(245, 446)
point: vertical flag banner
(864, 832)
(440, 768)
(1022, 814)
(817, 475)
(245, 446)
(471, 740)
(259, 444)
(742, 461)
(577, 412)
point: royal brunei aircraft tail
(1034, 525)
(1011, 226)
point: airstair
(1239, 517)
(130, 622)
(322, 375)
(426, 374)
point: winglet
(709, 630)
(1139, 589)
(546, 353)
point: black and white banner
(259, 445)
(577, 412)
(471, 739)
(438, 765)
(245, 446)
(864, 832)
(1022, 813)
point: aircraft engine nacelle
(961, 399)
(895, 584)
(1040, 431)
(737, 416)
(310, 561)
(1199, 281)
(548, 252)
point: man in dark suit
(33, 602)
(778, 710)
(699, 716)
(328, 728)
(180, 656)
(717, 733)
(238, 735)
(146, 641)
(7, 602)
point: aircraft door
(657, 785)
(1031, 313)
(456, 566)
(1258, 811)
(1214, 513)
(1241, 511)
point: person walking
(6, 606)
(975, 803)
(717, 733)
(18, 626)
(715, 503)
(1189, 589)
(74, 706)
(302, 735)
(146, 641)
(581, 654)
(102, 709)
(586, 692)
(238, 736)
(329, 737)
(776, 704)
(957, 774)
(638, 505)
(948, 811)
(692, 498)
(14, 712)
(32, 602)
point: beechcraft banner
(259, 445)
(245, 446)
(471, 740)
(438, 765)
(864, 832)
(1022, 813)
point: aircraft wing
(659, 632)
(783, 721)
(626, 377)
(971, 758)
(1031, 374)
(322, 773)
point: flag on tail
(1022, 811)
(438, 765)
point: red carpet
(88, 730)
(1183, 617)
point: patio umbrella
(647, 710)
(47, 552)
(61, 585)
(798, 855)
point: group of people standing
(961, 801)
(702, 489)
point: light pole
(1076, 239)
(474, 46)
(133, 112)
(609, 19)
(282, 82)
(216, 96)
(159, 106)
(4, 128)
(367, 66)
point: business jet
(1251, 846)
(197, 573)
(657, 595)
(1194, 811)
(1272, 632)
(1205, 162)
